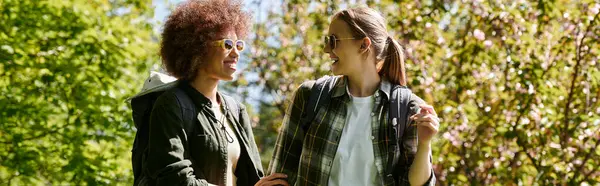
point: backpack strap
(398, 117)
(320, 96)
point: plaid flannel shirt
(307, 156)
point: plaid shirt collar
(340, 87)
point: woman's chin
(226, 77)
(334, 69)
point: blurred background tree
(66, 68)
(516, 84)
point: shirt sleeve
(288, 147)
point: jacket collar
(342, 81)
(198, 98)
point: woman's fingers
(275, 176)
(277, 182)
(428, 108)
(431, 125)
(416, 116)
(427, 118)
(273, 179)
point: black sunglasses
(332, 40)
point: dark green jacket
(198, 157)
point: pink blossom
(487, 43)
(479, 34)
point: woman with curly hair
(201, 45)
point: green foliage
(516, 83)
(66, 68)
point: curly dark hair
(191, 27)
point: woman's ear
(365, 45)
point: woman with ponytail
(347, 142)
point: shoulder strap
(399, 109)
(398, 117)
(320, 95)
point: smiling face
(220, 63)
(346, 55)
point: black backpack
(320, 96)
(141, 110)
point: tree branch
(587, 157)
(579, 58)
(586, 176)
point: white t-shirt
(233, 149)
(354, 162)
